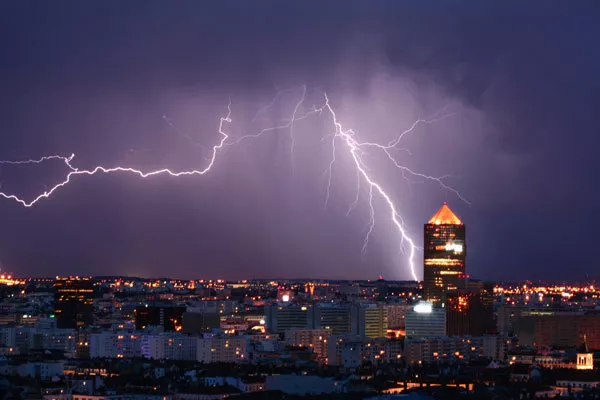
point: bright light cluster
(455, 247)
(423, 307)
(538, 293)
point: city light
(423, 307)
(455, 247)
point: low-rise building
(304, 385)
(314, 339)
(226, 349)
(41, 370)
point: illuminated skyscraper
(444, 254)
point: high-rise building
(279, 318)
(470, 310)
(334, 316)
(458, 306)
(370, 320)
(73, 302)
(425, 321)
(444, 255)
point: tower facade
(74, 302)
(470, 310)
(444, 254)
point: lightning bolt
(356, 150)
(41, 160)
(347, 139)
(73, 171)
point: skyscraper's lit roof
(445, 216)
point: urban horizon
(443, 212)
(529, 282)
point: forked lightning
(347, 139)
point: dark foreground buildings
(470, 309)
(557, 328)
(169, 317)
(445, 250)
(73, 302)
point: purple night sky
(518, 82)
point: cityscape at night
(449, 335)
(294, 200)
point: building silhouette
(73, 302)
(544, 329)
(470, 309)
(170, 318)
(444, 255)
(281, 317)
(197, 323)
(338, 317)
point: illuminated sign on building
(455, 247)
(423, 307)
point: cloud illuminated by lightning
(73, 171)
(347, 139)
(356, 150)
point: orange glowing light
(445, 216)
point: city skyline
(83, 337)
(443, 216)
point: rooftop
(445, 216)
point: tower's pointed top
(445, 216)
(584, 347)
